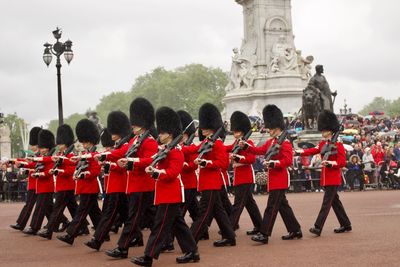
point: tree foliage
(187, 88)
(15, 123)
(390, 107)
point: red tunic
(115, 181)
(243, 172)
(278, 177)
(210, 176)
(89, 184)
(64, 180)
(188, 174)
(31, 180)
(333, 175)
(45, 184)
(169, 187)
(138, 179)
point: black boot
(17, 227)
(142, 261)
(136, 242)
(225, 242)
(66, 238)
(188, 257)
(315, 231)
(45, 234)
(168, 247)
(94, 244)
(293, 235)
(118, 253)
(252, 232)
(114, 229)
(29, 231)
(205, 236)
(84, 231)
(343, 229)
(261, 238)
(63, 227)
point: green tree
(377, 104)
(71, 120)
(14, 123)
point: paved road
(374, 241)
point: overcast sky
(357, 41)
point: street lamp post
(58, 49)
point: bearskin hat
(118, 123)
(87, 131)
(141, 113)
(33, 136)
(105, 138)
(240, 122)
(273, 117)
(46, 139)
(209, 117)
(327, 121)
(186, 119)
(168, 121)
(65, 135)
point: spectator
(369, 165)
(355, 172)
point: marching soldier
(169, 196)
(44, 181)
(87, 185)
(210, 178)
(243, 181)
(115, 178)
(31, 187)
(62, 170)
(140, 186)
(278, 178)
(331, 177)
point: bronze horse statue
(311, 106)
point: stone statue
(311, 106)
(304, 65)
(319, 81)
(274, 65)
(242, 72)
(291, 59)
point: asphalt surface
(374, 241)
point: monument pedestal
(310, 136)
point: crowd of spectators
(12, 183)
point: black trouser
(331, 199)
(211, 206)
(244, 198)
(138, 203)
(44, 206)
(27, 209)
(226, 203)
(277, 202)
(88, 205)
(117, 203)
(63, 199)
(191, 204)
(169, 219)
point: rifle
(40, 166)
(328, 149)
(162, 154)
(82, 165)
(208, 146)
(124, 140)
(61, 159)
(134, 147)
(275, 148)
(189, 141)
(237, 148)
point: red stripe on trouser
(28, 203)
(274, 211)
(83, 216)
(330, 205)
(159, 233)
(128, 240)
(37, 217)
(205, 216)
(59, 212)
(110, 221)
(241, 207)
